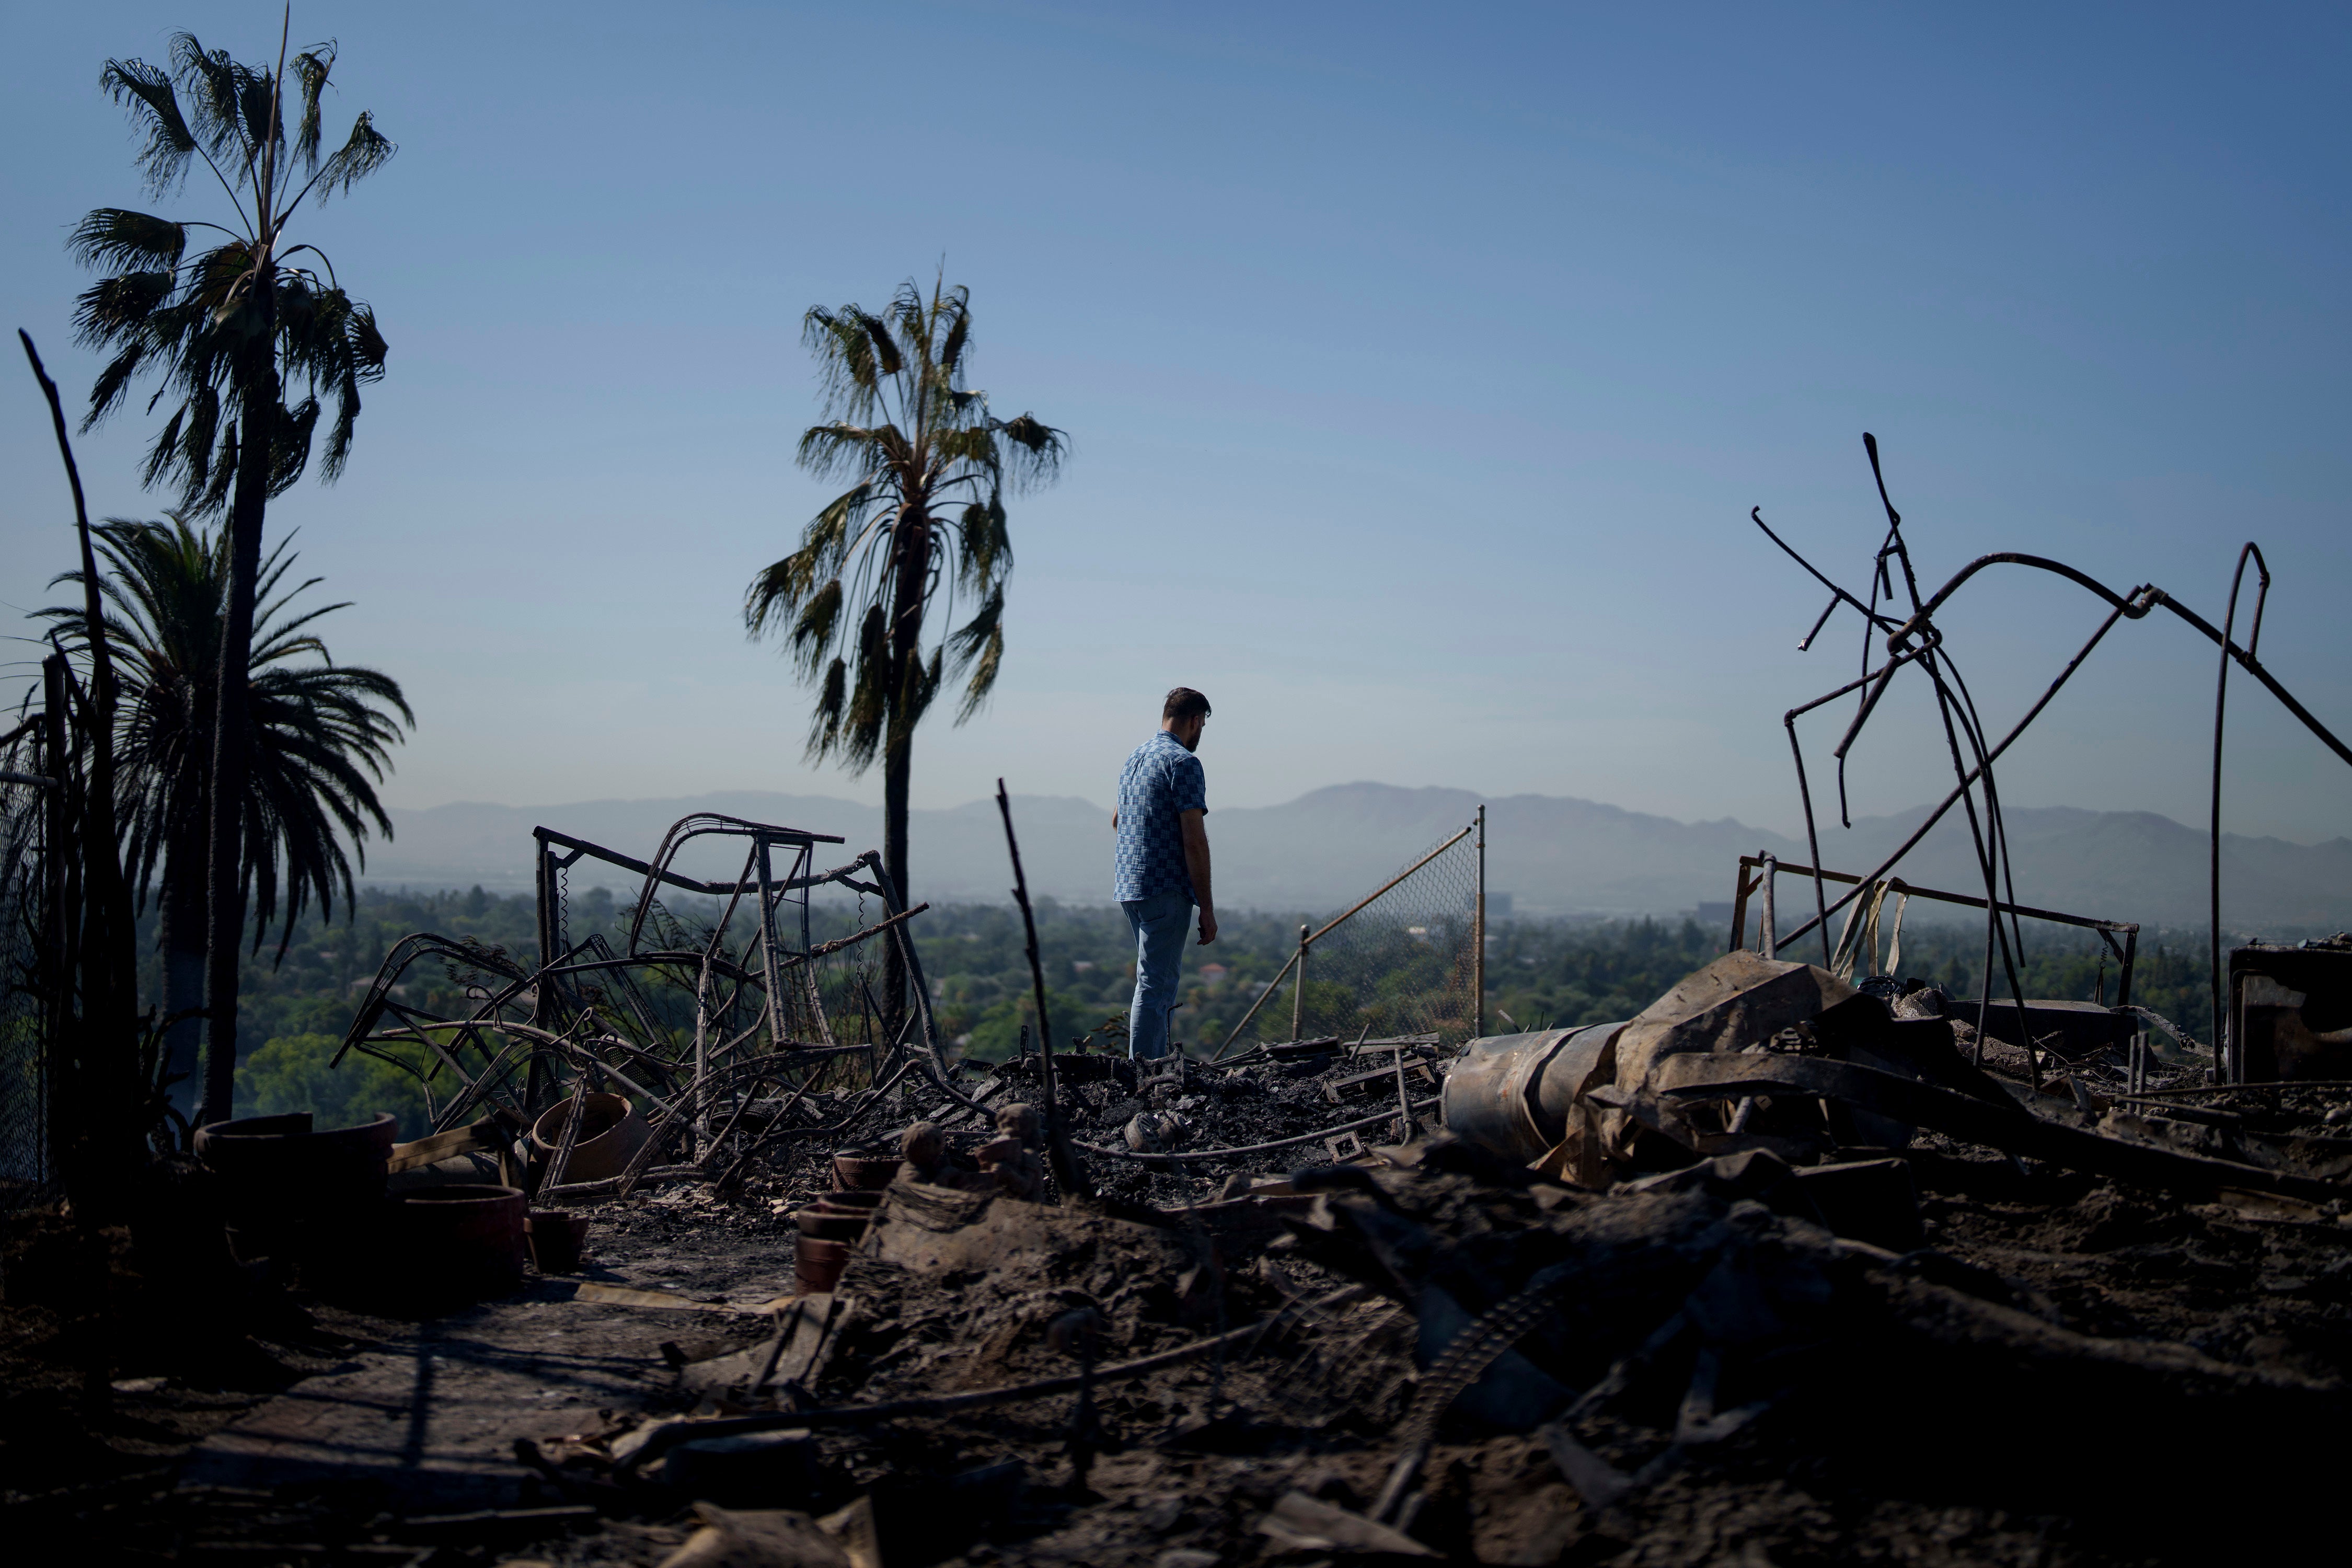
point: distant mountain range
(1553, 855)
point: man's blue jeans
(1161, 922)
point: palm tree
(319, 734)
(923, 522)
(228, 333)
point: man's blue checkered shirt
(1161, 781)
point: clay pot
(611, 1133)
(555, 1239)
(459, 1243)
(818, 1263)
(862, 1202)
(864, 1172)
(287, 1191)
(829, 1225)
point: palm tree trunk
(232, 767)
(898, 767)
(182, 937)
(912, 575)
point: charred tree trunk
(96, 1047)
(232, 740)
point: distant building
(1214, 973)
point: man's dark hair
(1183, 703)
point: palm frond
(311, 69)
(859, 738)
(845, 356)
(289, 444)
(364, 338)
(781, 588)
(214, 491)
(922, 685)
(114, 310)
(812, 633)
(167, 444)
(113, 382)
(973, 445)
(117, 236)
(825, 719)
(984, 545)
(979, 645)
(204, 411)
(364, 151)
(1037, 451)
(218, 85)
(146, 91)
(958, 338)
(831, 451)
(887, 361)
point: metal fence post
(1479, 939)
(1298, 993)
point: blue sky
(1422, 366)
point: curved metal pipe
(2221, 1052)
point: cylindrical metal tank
(1511, 1093)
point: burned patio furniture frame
(702, 1029)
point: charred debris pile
(1773, 1272)
(1788, 1274)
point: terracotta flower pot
(818, 1263)
(611, 1133)
(863, 1201)
(459, 1243)
(287, 1191)
(555, 1239)
(829, 1225)
(864, 1172)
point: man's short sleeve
(1189, 785)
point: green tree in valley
(923, 521)
(230, 332)
(318, 737)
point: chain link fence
(1404, 961)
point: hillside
(1555, 855)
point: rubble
(1706, 1323)
(1786, 1268)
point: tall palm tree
(319, 734)
(228, 333)
(923, 520)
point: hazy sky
(1422, 365)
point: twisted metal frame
(1916, 641)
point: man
(1162, 862)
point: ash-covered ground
(2058, 1367)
